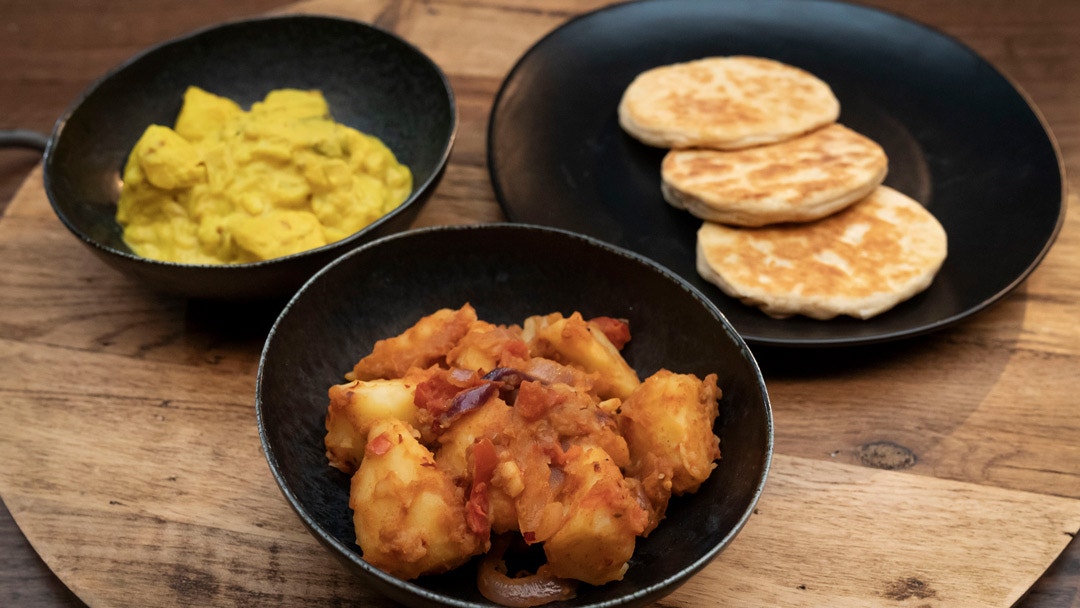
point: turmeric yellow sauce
(226, 186)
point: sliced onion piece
(467, 401)
(519, 591)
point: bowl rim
(419, 191)
(401, 586)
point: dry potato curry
(462, 436)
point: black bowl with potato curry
(539, 413)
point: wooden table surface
(938, 471)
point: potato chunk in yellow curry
(229, 186)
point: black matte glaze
(373, 81)
(960, 139)
(509, 272)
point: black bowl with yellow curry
(305, 96)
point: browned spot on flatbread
(700, 75)
(812, 274)
(717, 112)
(772, 172)
(716, 167)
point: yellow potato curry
(226, 186)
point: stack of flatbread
(796, 219)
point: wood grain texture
(136, 483)
(855, 536)
(129, 455)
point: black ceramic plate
(508, 272)
(960, 139)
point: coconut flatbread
(859, 262)
(725, 103)
(797, 180)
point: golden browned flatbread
(860, 261)
(725, 103)
(798, 180)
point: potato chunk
(670, 419)
(354, 407)
(577, 342)
(410, 518)
(603, 520)
(486, 346)
(422, 345)
(488, 420)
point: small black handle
(22, 138)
